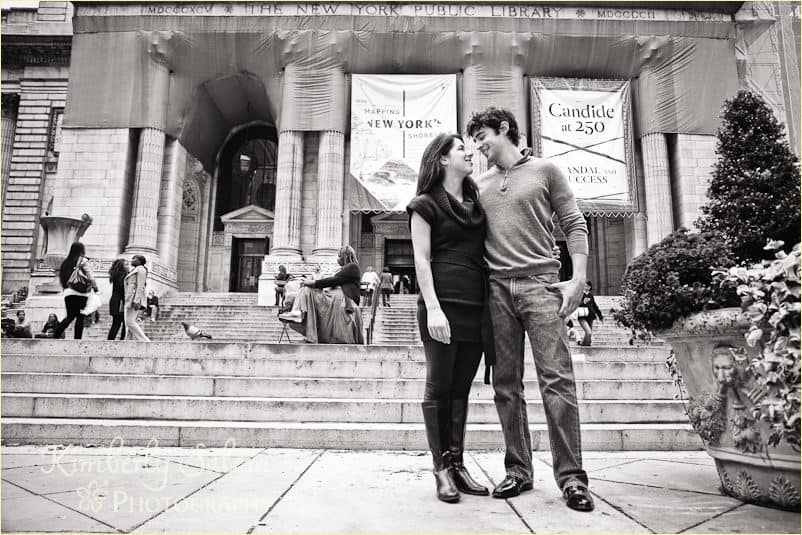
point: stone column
(657, 182)
(10, 105)
(172, 183)
(289, 178)
(472, 102)
(328, 235)
(144, 216)
(143, 232)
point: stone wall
(95, 176)
(692, 159)
(40, 90)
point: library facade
(221, 140)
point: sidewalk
(238, 490)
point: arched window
(247, 172)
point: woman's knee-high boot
(436, 420)
(465, 483)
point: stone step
(227, 386)
(250, 350)
(106, 406)
(291, 367)
(333, 435)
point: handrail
(371, 324)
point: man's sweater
(519, 218)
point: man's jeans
(519, 304)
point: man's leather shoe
(578, 498)
(511, 486)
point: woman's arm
(349, 273)
(421, 231)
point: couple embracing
(502, 223)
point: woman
(586, 313)
(76, 293)
(448, 229)
(386, 286)
(117, 273)
(50, 327)
(134, 290)
(325, 310)
(281, 282)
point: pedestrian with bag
(586, 313)
(78, 282)
(448, 227)
(135, 297)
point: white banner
(393, 118)
(586, 132)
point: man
(370, 281)
(520, 194)
(22, 327)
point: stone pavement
(239, 490)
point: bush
(754, 187)
(672, 279)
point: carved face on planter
(724, 366)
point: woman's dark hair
(492, 117)
(118, 271)
(386, 269)
(68, 266)
(431, 173)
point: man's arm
(573, 224)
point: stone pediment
(248, 214)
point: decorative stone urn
(60, 234)
(712, 356)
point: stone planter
(60, 234)
(712, 355)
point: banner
(393, 119)
(584, 126)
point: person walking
(520, 195)
(117, 273)
(448, 228)
(77, 280)
(369, 283)
(386, 286)
(587, 312)
(135, 296)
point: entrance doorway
(246, 263)
(399, 257)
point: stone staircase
(236, 317)
(303, 396)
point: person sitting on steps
(326, 310)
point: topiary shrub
(673, 279)
(754, 187)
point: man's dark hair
(492, 117)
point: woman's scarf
(468, 213)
